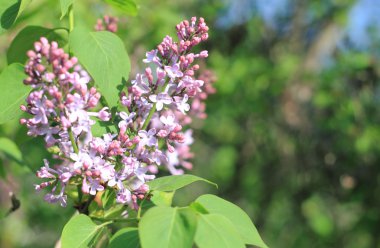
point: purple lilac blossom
(149, 131)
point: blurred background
(292, 134)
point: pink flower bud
(177, 128)
(136, 139)
(23, 108)
(65, 122)
(203, 54)
(170, 148)
(129, 144)
(23, 121)
(104, 115)
(49, 103)
(69, 99)
(31, 54)
(37, 46)
(162, 133)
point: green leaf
(10, 10)
(167, 227)
(125, 238)
(172, 183)
(25, 39)
(3, 172)
(161, 198)
(79, 232)
(9, 148)
(108, 198)
(197, 207)
(101, 127)
(12, 92)
(241, 221)
(115, 211)
(65, 4)
(127, 6)
(105, 58)
(216, 231)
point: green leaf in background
(216, 231)
(125, 238)
(167, 227)
(241, 221)
(104, 57)
(126, 6)
(101, 127)
(65, 4)
(79, 232)
(12, 92)
(9, 11)
(9, 148)
(25, 39)
(172, 183)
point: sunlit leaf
(236, 215)
(105, 58)
(216, 231)
(161, 198)
(172, 183)
(79, 232)
(167, 227)
(100, 128)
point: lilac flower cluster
(150, 129)
(108, 23)
(61, 98)
(60, 106)
(159, 99)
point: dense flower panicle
(169, 94)
(61, 98)
(108, 23)
(150, 128)
(60, 105)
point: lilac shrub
(111, 145)
(150, 126)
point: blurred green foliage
(292, 139)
